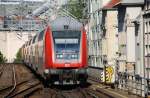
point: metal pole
(143, 55)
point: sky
(45, 0)
(20, 0)
(33, 0)
(60, 1)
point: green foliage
(2, 58)
(18, 57)
(76, 7)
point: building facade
(94, 35)
(121, 38)
(130, 37)
(95, 32)
(127, 14)
(146, 30)
(110, 40)
(146, 42)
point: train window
(66, 26)
(40, 37)
(66, 34)
(30, 42)
(34, 38)
(26, 43)
(67, 45)
(66, 41)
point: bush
(76, 8)
(2, 58)
(18, 57)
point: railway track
(1, 69)
(33, 87)
(94, 93)
(14, 79)
(23, 93)
(76, 93)
(22, 89)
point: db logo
(67, 65)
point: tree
(2, 58)
(18, 57)
(76, 7)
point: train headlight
(46, 71)
(60, 55)
(57, 56)
(76, 70)
(72, 55)
(76, 56)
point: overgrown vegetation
(76, 7)
(18, 57)
(2, 58)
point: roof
(111, 4)
(133, 1)
(130, 3)
(60, 23)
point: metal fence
(24, 24)
(134, 84)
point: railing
(25, 24)
(134, 84)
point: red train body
(59, 52)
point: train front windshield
(67, 45)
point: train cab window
(40, 37)
(67, 45)
(66, 34)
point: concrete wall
(127, 38)
(122, 38)
(3, 45)
(132, 13)
(10, 43)
(111, 32)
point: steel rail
(1, 70)
(15, 83)
(25, 90)
(83, 92)
(9, 87)
(13, 93)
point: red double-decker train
(59, 52)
